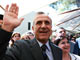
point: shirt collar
(47, 44)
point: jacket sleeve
(76, 48)
(4, 39)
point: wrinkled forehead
(42, 16)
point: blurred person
(11, 42)
(28, 49)
(31, 35)
(14, 37)
(53, 37)
(77, 45)
(27, 36)
(62, 32)
(73, 39)
(1, 19)
(64, 44)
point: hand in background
(10, 20)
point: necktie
(44, 47)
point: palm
(10, 20)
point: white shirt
(48, 51)
(74, 57)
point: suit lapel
(55, 52)
(36, 50)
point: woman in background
(14, 37)
(64, 44)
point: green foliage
(63, 5)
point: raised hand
(10, 20)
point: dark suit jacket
(76, 49)
(71, 46)
(27, 50)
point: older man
(40, 48)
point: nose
(43, 25)
(63, 32)
(67, 44)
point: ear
(33, 28)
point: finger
(12, 8)
(17, 10)
(6, 9)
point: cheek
(58, 34)
(69, 45)
(36, 28)
(50, 28)
(18, 37)
(61, 46)
(51, 32)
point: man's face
(60, 32)
(42, 28)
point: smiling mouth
(65, 48)
(43, 31)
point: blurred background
(64, 13)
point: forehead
(60, 30)
(42, 17)
(64, 40)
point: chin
(43, 38)
(66, 51)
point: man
(62, 32)
(28, 49)
(77, 45)
(1, 19)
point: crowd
(36, 45)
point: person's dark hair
(40, 12)
(61, 28)
(1, 17)
(30, 33)
(57, 41)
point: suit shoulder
(22, 43)
(55, 47)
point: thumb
(21, 19)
